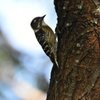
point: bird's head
(37, 22)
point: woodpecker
(45, 37)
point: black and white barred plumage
(45, 37)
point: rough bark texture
(78, 29)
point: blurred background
(24, 67)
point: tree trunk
(78, 30)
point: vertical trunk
(78, 29)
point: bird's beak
(42, 19)
(43, 16)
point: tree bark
(78, 30)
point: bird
(45, 37)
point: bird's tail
(54, 60)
